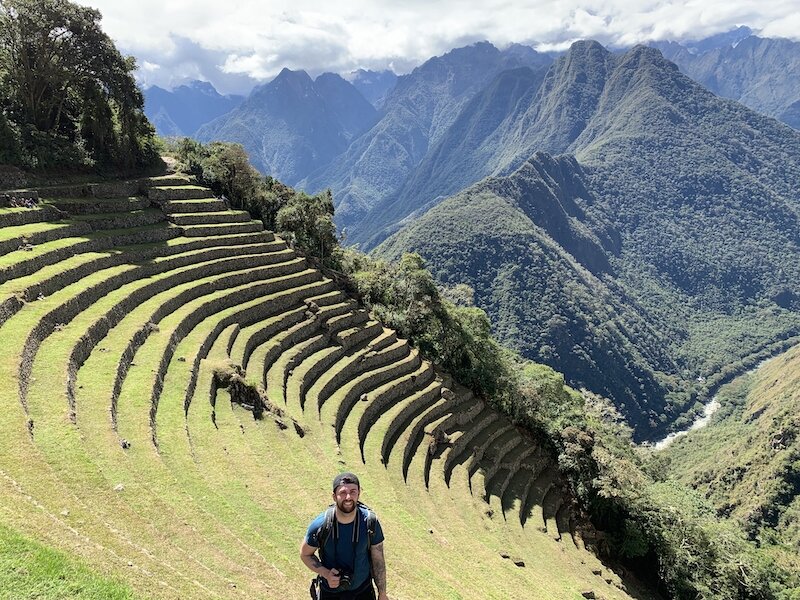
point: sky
(241, 43)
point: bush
(305, 221)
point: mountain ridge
(183, 110)
(420, 109)
(294, 124)
(762, 73)
(702, 194)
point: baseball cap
(343, 478)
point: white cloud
(237, 44)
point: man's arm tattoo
(379, 567)
(315, 563)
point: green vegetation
(661, 530)
(654, 261)
(68, 99)
(647, 523)
(306, 221)
(747, 463)
(405, 297)
(30, 570)
(538, 265)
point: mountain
(517, 114)
(294, 125)
(538, 262)
(182, 111)
(702, 194)
(762, 73)
(453, 162)
(416, 114)
(719, 40)
(374, 85)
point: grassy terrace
(120, 450)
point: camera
(345, 579)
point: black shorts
(366, 592)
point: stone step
(179, 192)
(222, 229)
(210, 218)
(90, 206)
(206, 205)
(103, 190)
(123, 220)
(470, 443)
(410, 388)
(353, 365)
(447, 409)
(12, 217)
(24, 236)
(496, 450)
(355, 336)
(169, 181)
(415, 407)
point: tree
(308, 221)
(67, 82)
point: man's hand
(383, 596)
(332, 578)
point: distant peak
(287, 74)
(478, 47)
(329, 77)
(645, 51)
(587, 46)
(196, 84)
(647, 55)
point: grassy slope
(31, 570)
(219, 507)
(748, 461)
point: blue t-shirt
(346, 553)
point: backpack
(327, 525)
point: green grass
(218, 508)
(19, 231)
(30, 570)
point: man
(348, 537)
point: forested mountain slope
(452, 162)
(417, 113)
(518, 114)
(701, 191)
(539, 264)
(294, 124)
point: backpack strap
(372, 520)
(327, 528)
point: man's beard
(342, 506)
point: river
(700, 422)
(704, 419)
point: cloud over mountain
(256, 39)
